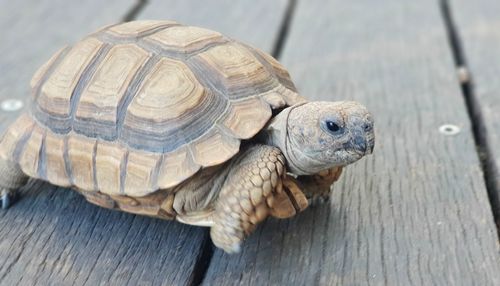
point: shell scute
(81, 158)
(141, 167)
(137, 28)
(30, 158)
(169, 91)
(237, 72)
(55, 162)
(144, 105)
(246, 117)
(56, 93)
(106, 89)
(108, 164)
(185, 39)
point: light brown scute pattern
(141, 173)
(169, 91)
(56, 92)
(108, 164)
(55, 163)
(137, 28)
(81, 153)
(246, 117)
(237, 72)
(37, 77)
(30, 156)
(176, 167)
(183, 97)
(185, 39)
(108, 85)
(215, 147)
(278, 69)
(13, 137)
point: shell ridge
(170, 140)
(67, 161)
(143, 34)
(42, 158)
(107, 37)
(157, 48)
(287, 83)
(156, 172)
(202, 73)
(56, 124)
(204, 125)
(85, 78)
(138, 28)
(38, 88)
(63, 125)
(130, 93)
(123, 171)
(21, 144)
(94, 165)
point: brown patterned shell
(143, 105)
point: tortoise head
(323, 135)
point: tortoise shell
(142, 106)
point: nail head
(449, 129)
(11, 105)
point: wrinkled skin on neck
(317, 136)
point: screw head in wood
(11, 105)
(449, 129)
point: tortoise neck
(276, 134)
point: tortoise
(180, 122)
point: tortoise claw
(6, 198)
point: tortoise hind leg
(11, 179)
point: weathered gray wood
(32, 31)
(255, 22)
(414, 213)
(478, 28)
(52, 236)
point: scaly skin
(319, 185)
(233, 199)
(11, 178)
(248, 195)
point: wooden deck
(420, 211)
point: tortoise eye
(332, 126)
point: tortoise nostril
(367, 127)
(360, 143)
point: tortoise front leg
(11, 179)
(252, 190)
(319, 185)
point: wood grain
(255, 22)
(478, 30)
(52, 236)
(414, 213)
(32, 31)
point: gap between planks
(135, 10)
(206, 256)
(477, 120)
(204, 259)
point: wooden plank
(33, 30)
(478, 29)
(255, 22)
(414, 213)
(52, 236)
